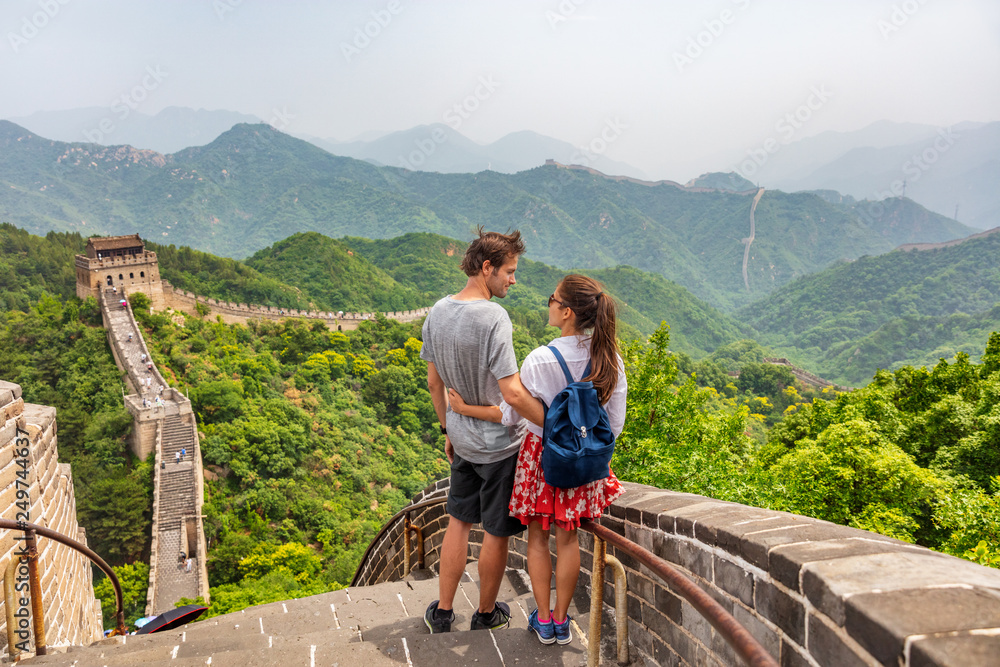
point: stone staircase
(374, 626)
(177, 500)
(176, 481)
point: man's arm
(439, 397)
(518, 397)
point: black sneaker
(498, 618)
(438, 621)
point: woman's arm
(489, 413)
(518, 398)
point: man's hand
(449, 450)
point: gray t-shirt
(470, 344)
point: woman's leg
(539, 567)
(567, 570)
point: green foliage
(61, 361)
(852, 476)
(254, 186)
(672, 437)
(897, 309)
(296, 559)
(222, 278)
(134, 581)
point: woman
(585, 316)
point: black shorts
(480, 493)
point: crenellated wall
(813, 593)
(72, 613)
(241, 313)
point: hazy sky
(688, 87)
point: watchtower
(122, 262)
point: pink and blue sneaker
(545, 630)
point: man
(468, 346)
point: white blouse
(543, 378)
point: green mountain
(334, 277)
(428, 264)
(904, 307)
(723, 181)
(254, 186)
(312, 271)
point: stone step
(369, 626)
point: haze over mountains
(254, 186)
(945, 169)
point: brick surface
(761, 631)
(735, 580)
(828, 583)
(781, 609)
(881, 622)
(966, 649)
(685, 517)
(830, 646)
(785, 561)
(756, 546)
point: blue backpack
(577, 438)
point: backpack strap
(562, 364)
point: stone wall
(72, 613)
(131, 273)
(241, 313)
(813, 593)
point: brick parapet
(812, 592)
(241, 312)
(72, 613)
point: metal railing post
(30, 531)
(406, 545)
(621, 608)
(596, 602)
(10, 603)
(744, 643)
(35, 584)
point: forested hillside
(882, 312)
(254, 186)
(313, 438)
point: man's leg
(492, 565)
(454, 549)
(498, 526)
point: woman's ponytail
(596, 314)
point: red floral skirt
(534, 500)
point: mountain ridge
(254, 185)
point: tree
(134, 581)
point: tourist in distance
(468, 344)
(585, 316)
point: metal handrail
(388, 526)
(30, 530)
(745, 645)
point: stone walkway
(374, 626)
(176, 481)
